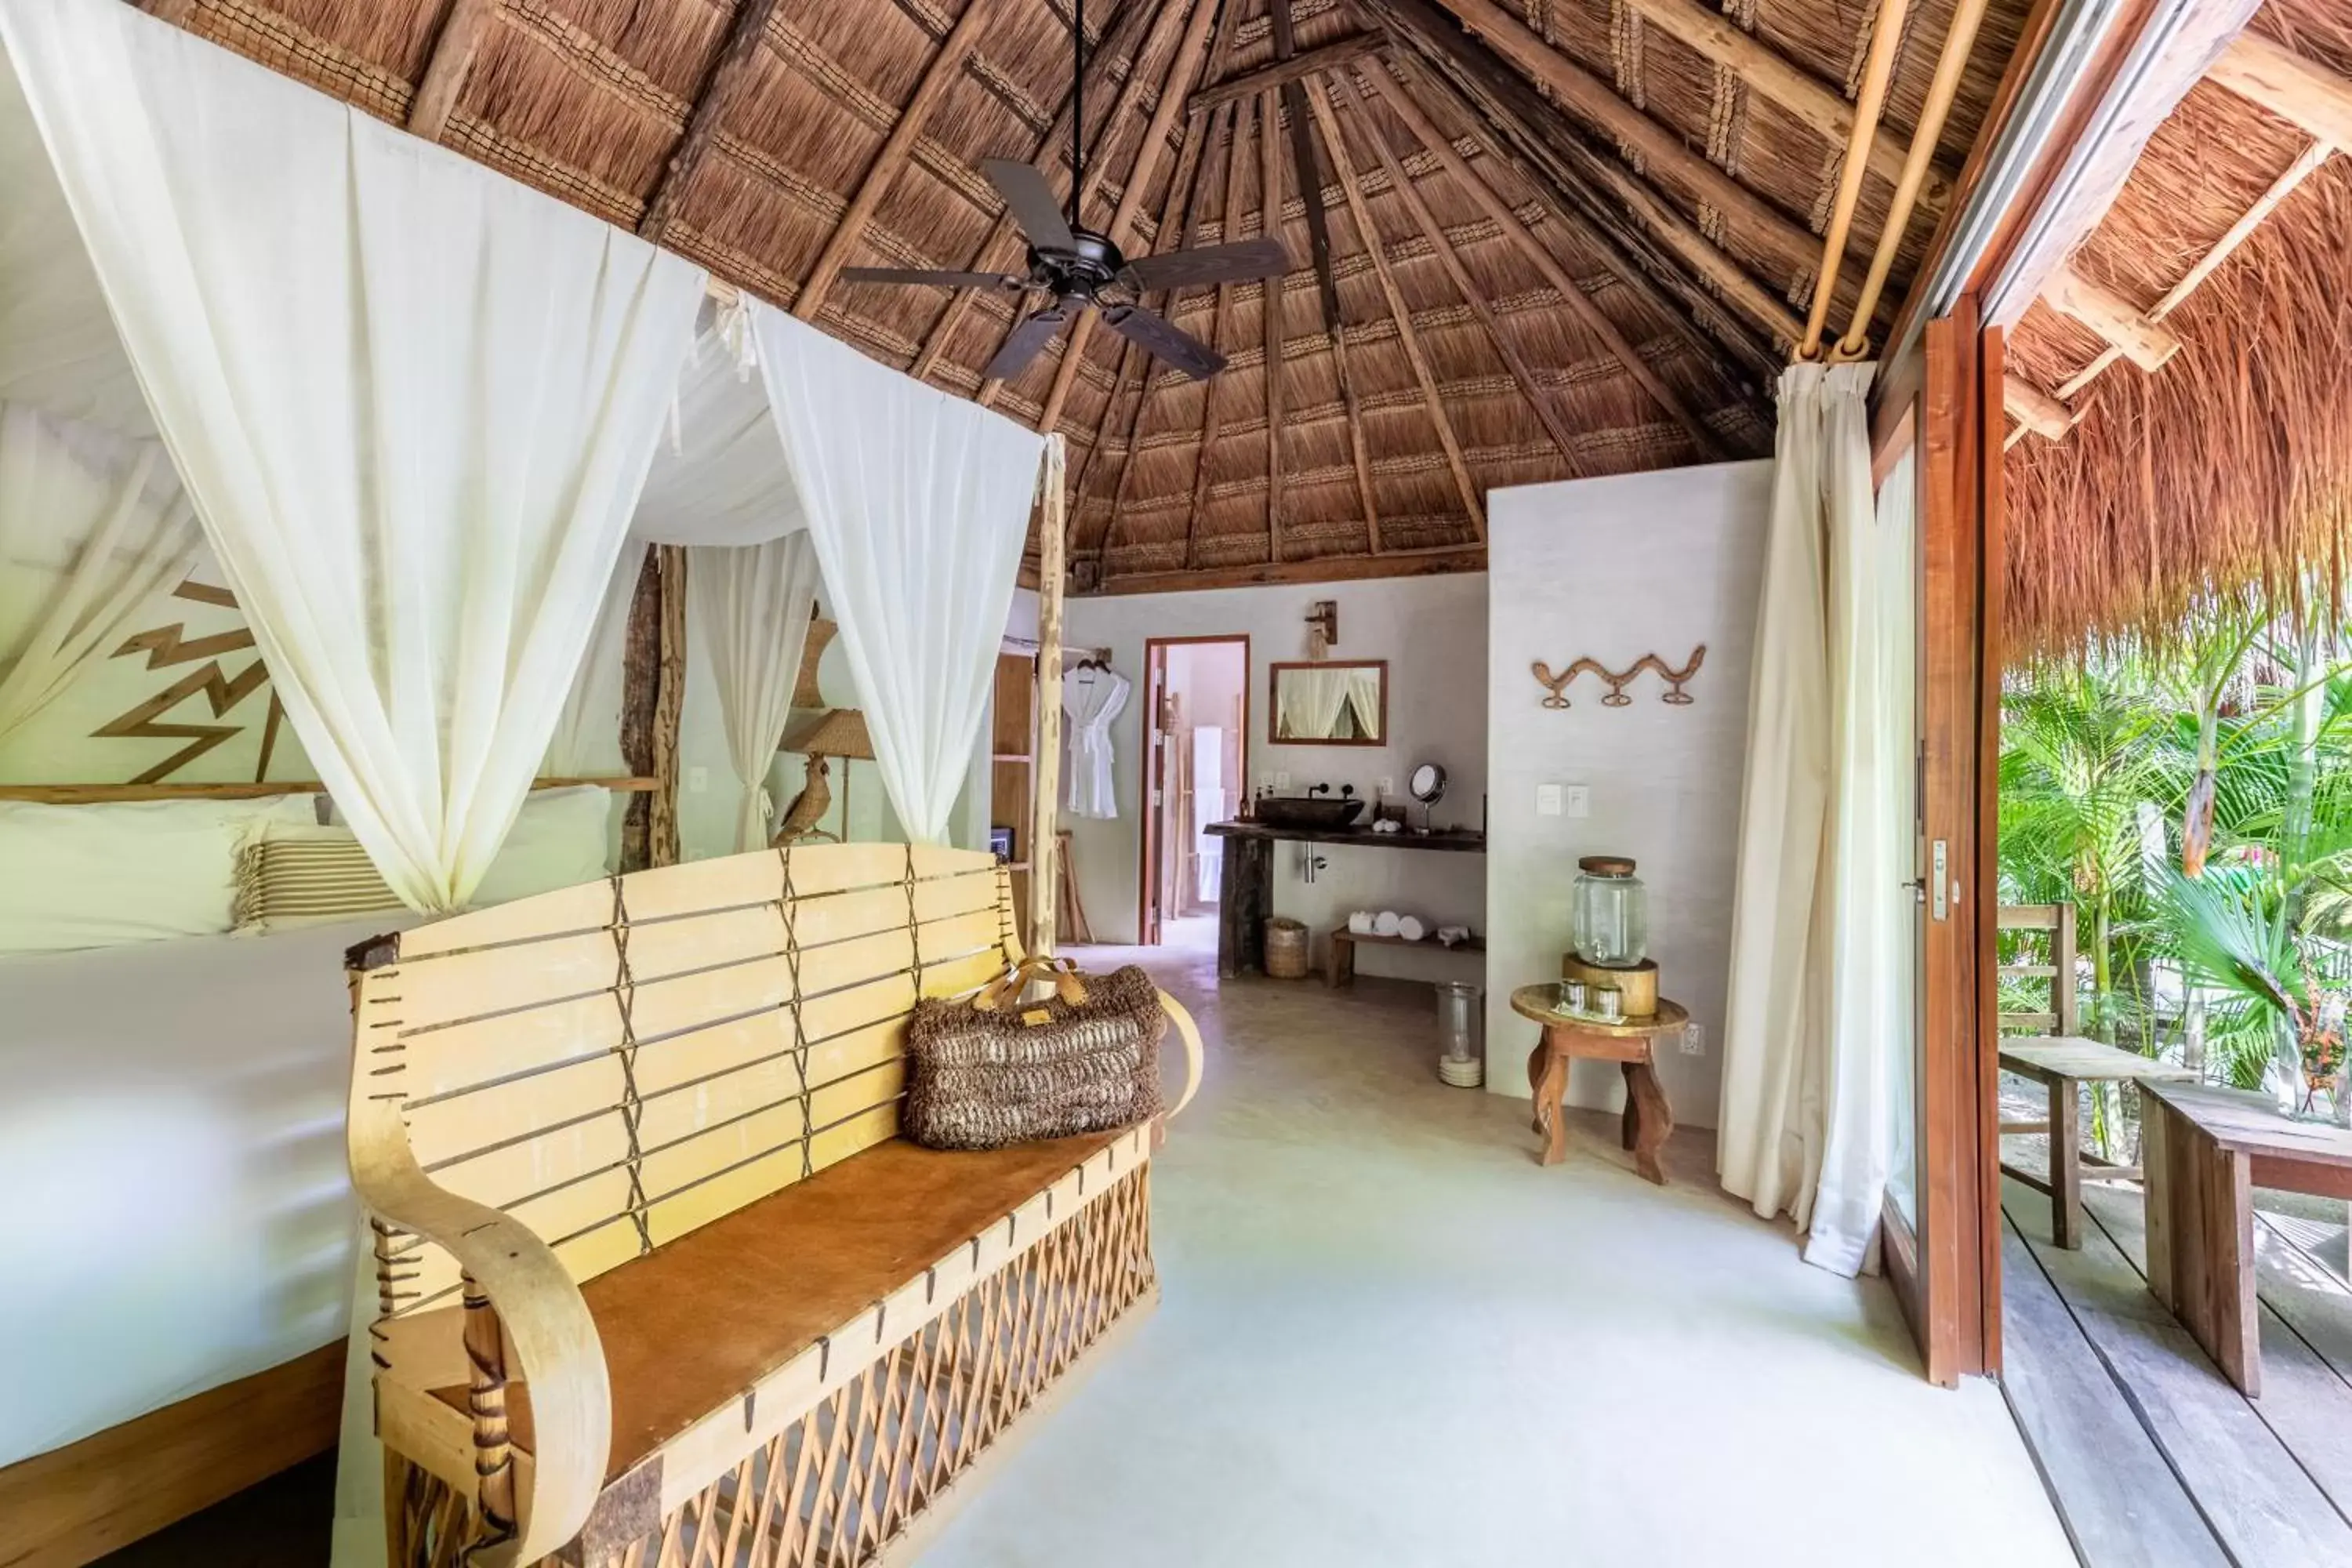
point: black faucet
(1318, 789)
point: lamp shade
(835, 733)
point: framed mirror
(1330, 704)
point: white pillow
(102, 876)
(558, 840)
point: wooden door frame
(1155, 663)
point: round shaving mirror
(1427, 784)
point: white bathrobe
(1092, 698)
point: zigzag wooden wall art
(1556, 686)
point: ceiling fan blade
(1234, 263)
(1031, 203)
(1027, 341)
(918, 275)
(1164, 340)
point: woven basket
(986, 1079)
(1286, 949)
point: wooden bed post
(486, 1354)
(653, 699)
(1044, 844)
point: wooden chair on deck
(658, 1282)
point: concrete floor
(1388, 1337)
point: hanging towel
(1092, 698)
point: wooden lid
(1606, 865)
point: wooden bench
(2063, 1066)
(656, 1278)
(2206, 1150)
(1341, 969)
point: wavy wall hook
(1556, 686)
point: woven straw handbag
(993, 1071)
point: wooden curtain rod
(120, 793)
(1886, 36)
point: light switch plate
(1282, 780)
(1579, 800)
(697, 780)
(1388, 786)
(1547, 800)
(1694, 1039)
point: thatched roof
(2226, 470)
(1565, 236)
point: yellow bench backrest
(618, 1063)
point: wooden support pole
(2035, 408)
(1369, 234)
(1045, 805)
(445, 72)
(1579, 304)
(2117, 320)
(1001, 249)
(947, 64)
(640, 701)
(669, 706)
(1296, 68)
(1400, 181)
(1210, 395)
(1269, 222)
(2290, 85)
(729, 74)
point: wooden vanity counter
(1245, 890)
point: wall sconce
(1323, 625)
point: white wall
(1433, 632)
(1612, 569)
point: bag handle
(1062, 971)
(1190, 1032)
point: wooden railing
(2063, 1017)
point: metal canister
(1572, 995)
(1608, 1003)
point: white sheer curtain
(587, 738)
(719, 477)
(754, 602)
(91, 526)
(413, 403)
(918, 503)
(1804, 1080)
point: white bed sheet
(174, 1204)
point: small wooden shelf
(1341, 969)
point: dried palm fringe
(836, 1487)
(2225, 477)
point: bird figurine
(808, 809)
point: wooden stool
(1628, 1042)
(2064, 1064)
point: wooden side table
(2062, 1064)
(1628, 1042)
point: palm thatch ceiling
(2181, 393)
(1532, 239)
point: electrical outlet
(1579, 800)
(1388, 786)
(697, 780)
(1547, 800)
(1282, 780)
(1694, 1039)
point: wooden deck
(2151, 1456)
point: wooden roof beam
(2117, 320)
(445, 73)
(1594, 320)
(1545, 406)
(1181, 75)
(1294, 67)
(1122, 32)
(946, 63)
(2302, 92)
(1210, 394)
(175, 12)
(1269, 218)
(1369, 234)
(2033, 408)
(729, 76)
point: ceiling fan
(1073, 269)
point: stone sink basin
(1307, 810)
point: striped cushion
(307, 876)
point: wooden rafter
(1190, 170)
(1269, 206)
(1546, 406)
(1293, 67)
(1210, 393)
(1578, 305)
(1310, 182)
(2302, 92)
(946, 63)
(454, 49)
(992, 252)
(1180, 77)
(1097, 169)
(175, 12)
(1328, 569)
(729, 74)
(1369, 233)
(2114, 319)
(2033, 408)
(1577, 178)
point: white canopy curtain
(754, 602)
(1814, 1008)
(587, 738)
(413, 403)
(917, 504)
(91, 526)
(719, 477)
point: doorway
(1195, 761)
